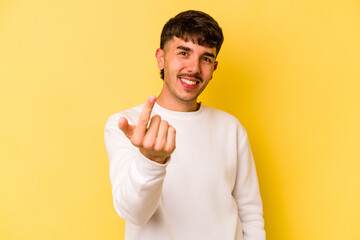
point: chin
(188, 99)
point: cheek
(176, 66)
(208, 71)
(171, 69)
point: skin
(189, 61)
(181, 61)
(155, 142)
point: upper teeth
(188, 81)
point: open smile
(189, 82)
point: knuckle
(170, 149)
(148, 144)
(136, 141)
(172, 129)
(156, 118)
(158, 147)
(143, 120)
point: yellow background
(289, 70)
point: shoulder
(220, 114)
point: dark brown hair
(196, 26)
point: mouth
(189, 83)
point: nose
(194, 65)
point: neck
(177, 104)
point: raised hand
(156, 142)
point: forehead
(176, 42)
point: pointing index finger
(145, 114)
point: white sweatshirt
(208, 190)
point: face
(188, 68)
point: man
(206, 187)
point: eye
(206, 59)
(183, 53)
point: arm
(246, 192)
(136, 171)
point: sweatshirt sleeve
(136, 181)
(246, 191)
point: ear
(215, 65)
(160, 58)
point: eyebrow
(209, 54)
(190, 50)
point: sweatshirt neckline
(174, 114)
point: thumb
(126, 127)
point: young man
(206, 187)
